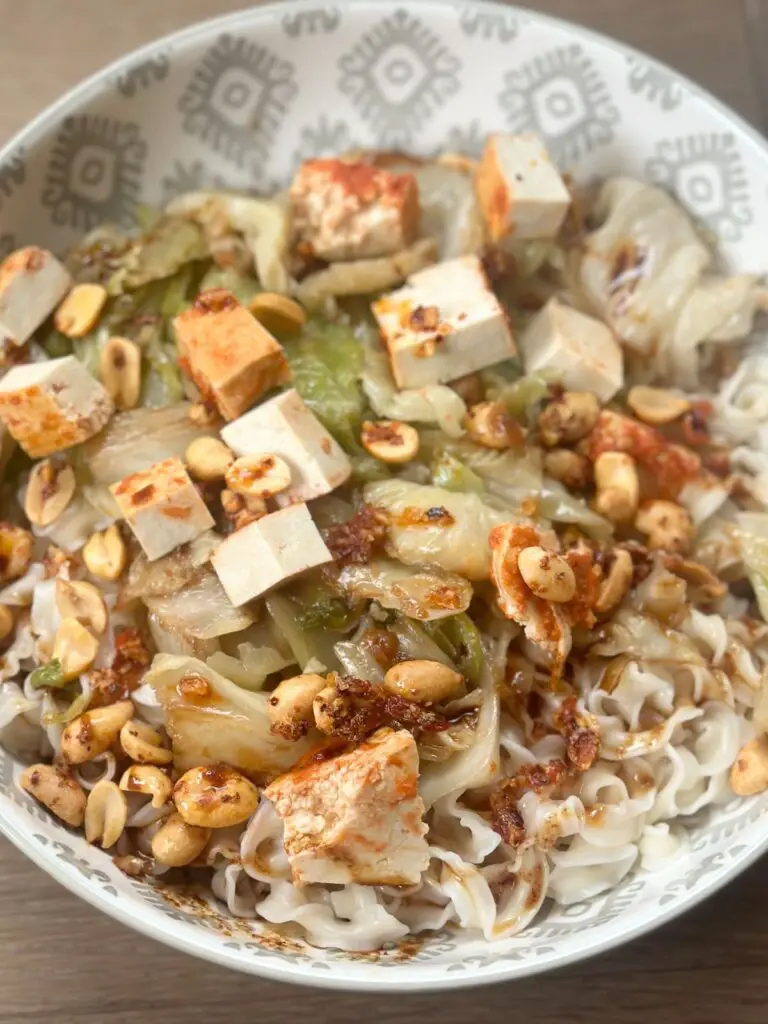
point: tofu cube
(284, 426)
(32, 284)
(257, 557)
(163, 507)
(52, 405)
(444, 323)
(349, 211)
(229, 355)
(356, 817)
(520, 191)
(576, 349)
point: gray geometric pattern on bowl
(238, 103)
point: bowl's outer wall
(238, 102)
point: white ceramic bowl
(238, 101)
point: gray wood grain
(64, 961)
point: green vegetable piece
(318, 605)
(326, 362)
(49, 675)
(57, 345)
(172, 242)
(243, 286)
(523, 395)
(451, 473)
(459, 638)
(78, 704)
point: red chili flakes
(354, 541)
(215, 300)
(583, 742)
(671, 465)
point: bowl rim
(130, 913)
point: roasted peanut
(6, 622)
(50, 489)
(616, 583)
(215, 796)
(657, 405)
(177, 844)
(94, 732)
(120, 371)
(390, 440)
(749, 772)
(208, 458)
(423, 681)
(106, 813)
(203, 415)
(80, 310)
(574, 471)
(569, 418)
(667, 526)
(489, 424)
(546, 574)
(241, 510)
(143, 744)
(149, 780)
(328, 707)
(618, 486)
(74, 647)
(258, 476)
(289, 707)
(278, 313)
(105, 554)
(82, 601)
(57, 790)
(15, 551)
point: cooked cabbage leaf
(752, 536)
(418, 592)
(226, 723)
(433, 526)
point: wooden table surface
(63, 961)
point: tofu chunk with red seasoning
(520, 191)
(32, 283)
(357, 817)
(285, 426)
(575, 349)
(351, 211)
(445, 323)
(53, 405)
(257, 557)
(163, 507)
(229, 355)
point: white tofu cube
(284, 426)
(356, 817)
(32, 283)
(229, 355)
(348, 211)
(520, 191)
(576, 349)
(446, 322)
(257, 557)
(163, 507)
(52, 405)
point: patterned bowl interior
(238, 102)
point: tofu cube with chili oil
(356, 817)
(285, 426)
(32, 284)
(444, 323)
(575, 349)
(229, 355)
(163, 507)
(53, 405)
(258, 557)
(520, 191)
(349, 211)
